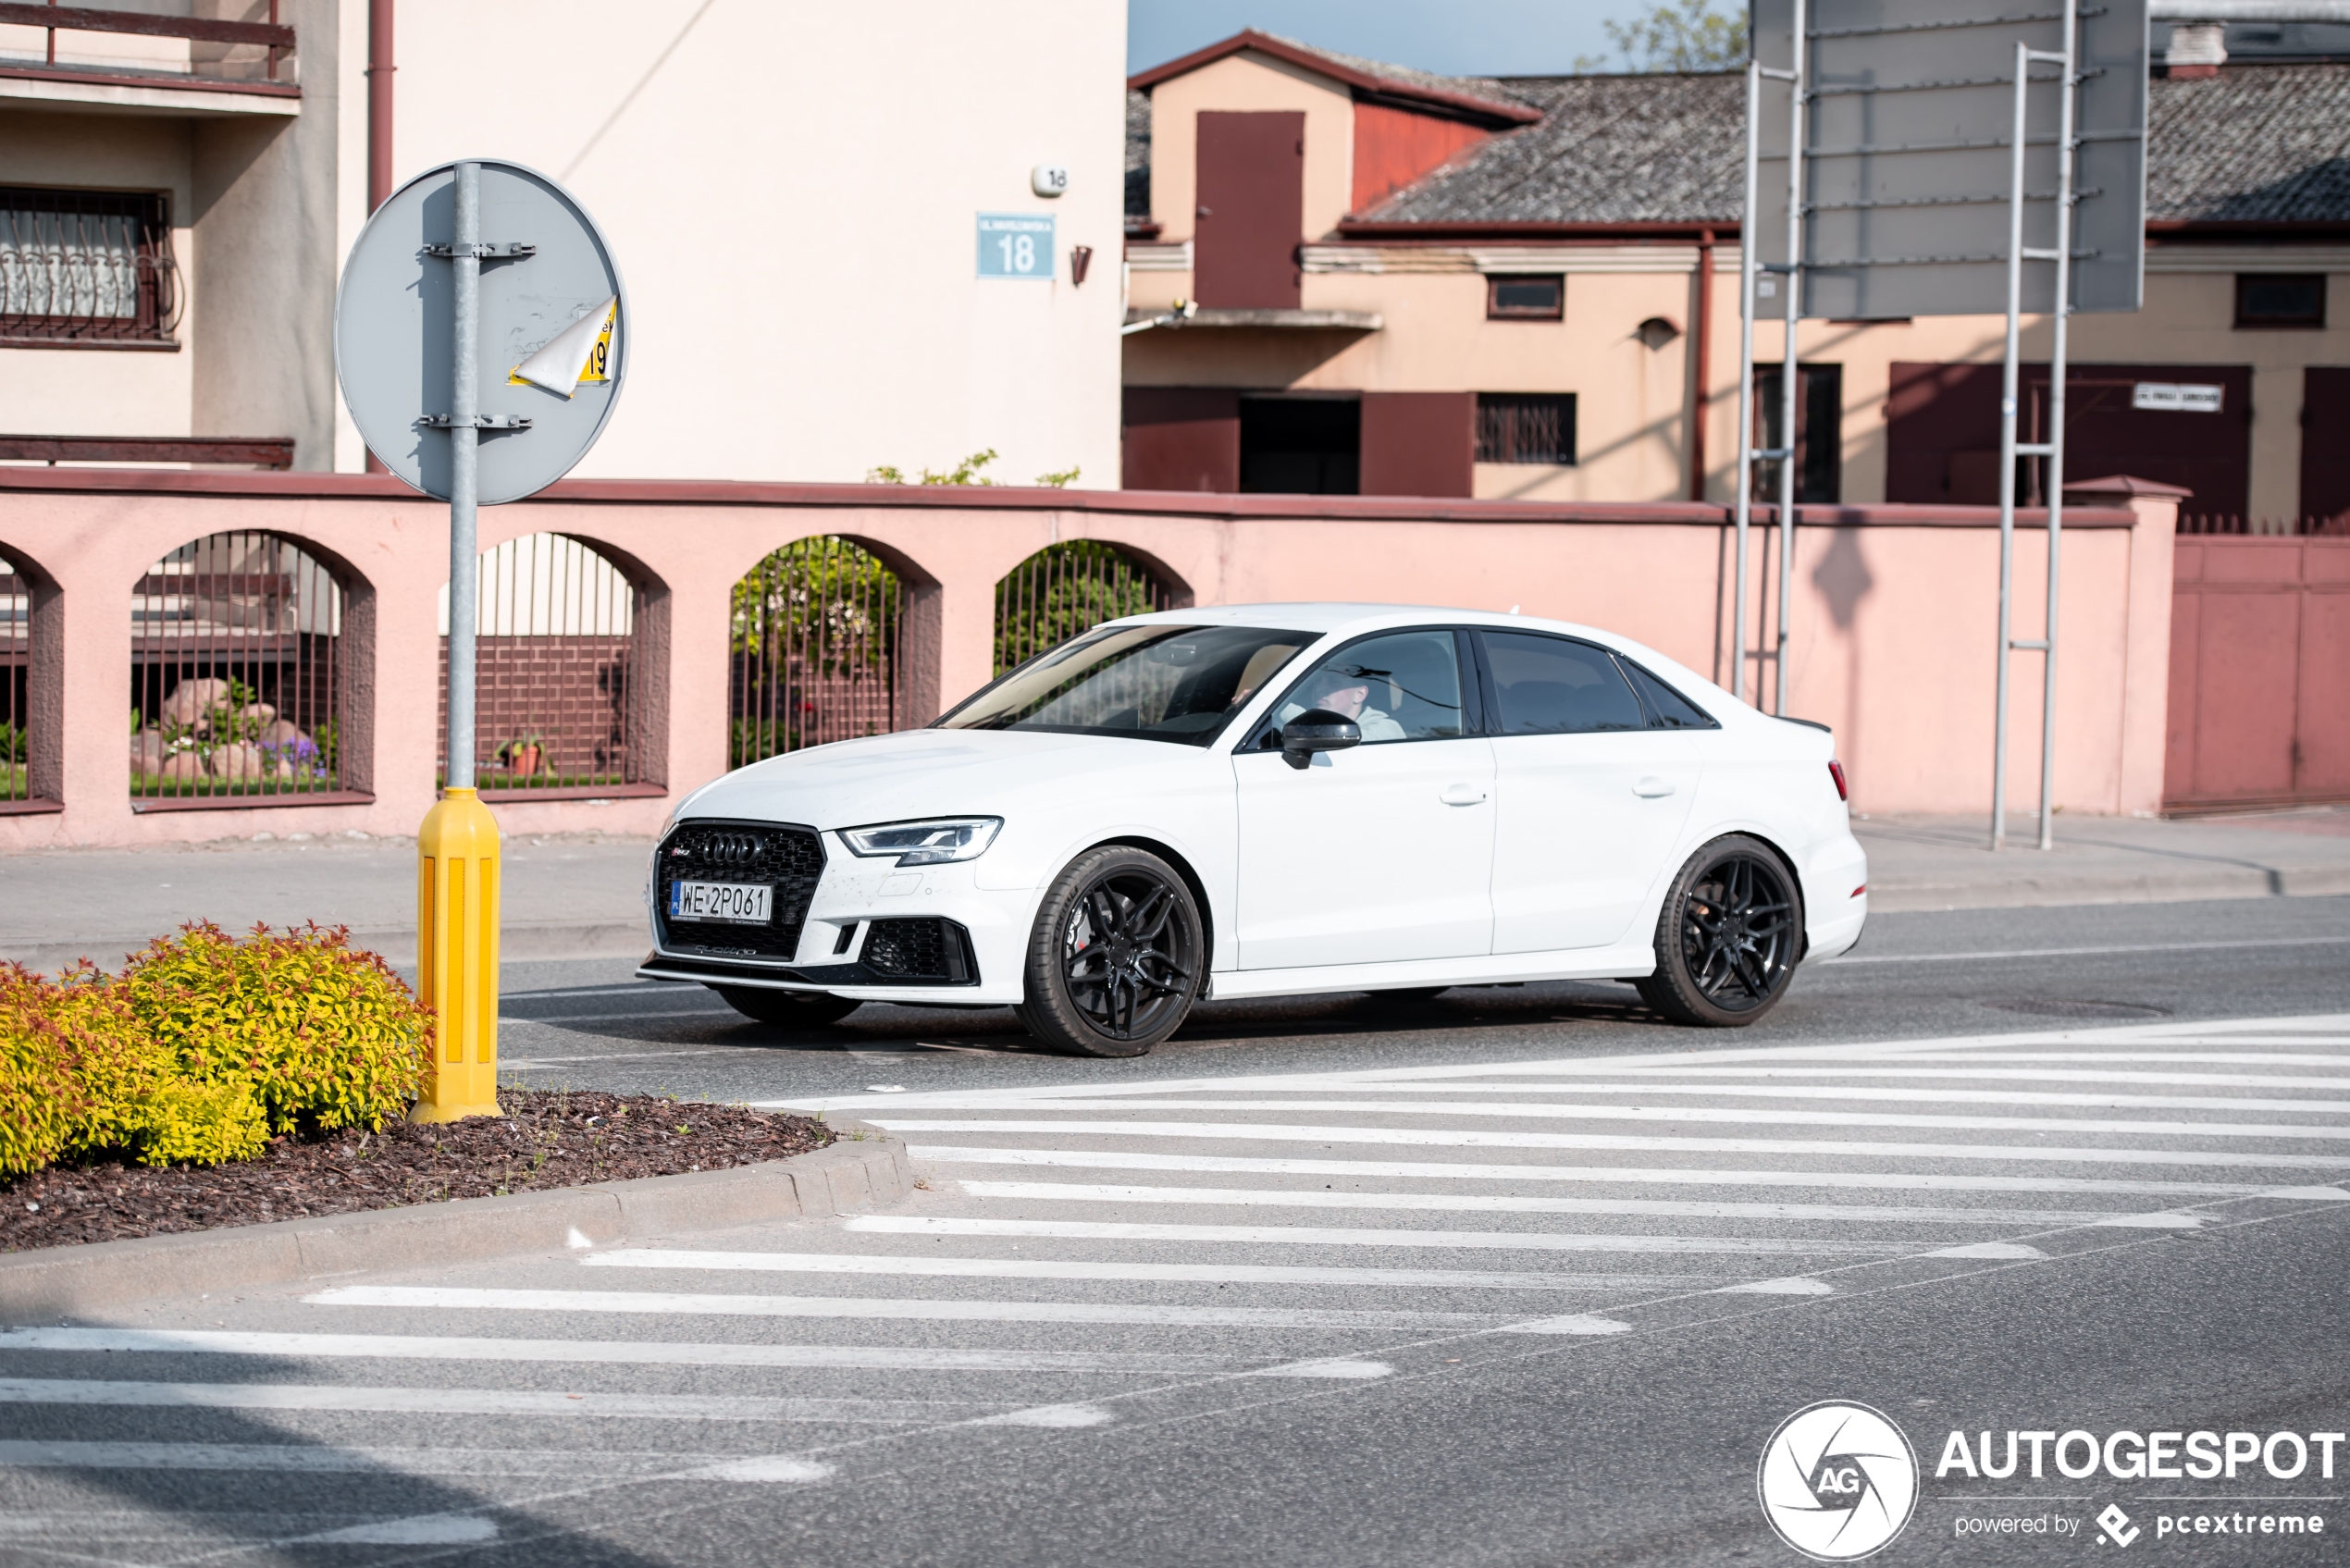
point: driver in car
(1346, 692)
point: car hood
(927, 773)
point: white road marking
(466, 1401)
(1713, 1114)
(2089, 952)
(1469, 1138)
(1580, 1323)
(450, 1298)
(1050, 1415)
(1107, 1160)
(423, 1529)
(1852, 1091)
(1300, 1235)
(281, 1458)
(1185, 1273)
(1342, 1367)
(1432, 1169)
(1985, 1069)
(1063, 1192)
(410, 1347)
(1989, 1250)
(1796, 1286)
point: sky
(1457, 37)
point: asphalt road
(1516, 1276)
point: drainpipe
(1703, 348)
(379, 71)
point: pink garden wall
(1893, 616)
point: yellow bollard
(457, 955)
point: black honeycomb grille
(789, 859)
(919, 949)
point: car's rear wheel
(1728, 937)
(786, 1009)
(1116, 957)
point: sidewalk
(583, 898)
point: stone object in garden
(193, 698)
(183, 765)
(259, 713)
(277, 731)
(147, 751)
(238, 762)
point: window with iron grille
(235, 673)
(1064, 590)
(555, 651)
(815, 650)
(1525, 427)
(85, 266)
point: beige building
(1412, 284)
(794, 193)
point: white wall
(791, 190)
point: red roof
(1450, 94)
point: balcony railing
(257, 55)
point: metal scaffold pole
(1789, 373)
(2056, 374)
(1747, 272)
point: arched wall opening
(817, 650)
(570, 675)
(32, 687)
(1066, 590)
(251, 675)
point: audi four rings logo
(1837, 1481)
(730, 849)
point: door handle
(1653, 787)
(1462, 795)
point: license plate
(728, 903)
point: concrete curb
(864, 1168)
(2027, 890)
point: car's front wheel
(1729, 937)
(1116, 957)
(787, 1009)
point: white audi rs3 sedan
(1275, 799)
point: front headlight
(933, 842)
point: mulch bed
(546, 1138)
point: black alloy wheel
(1116, 958)
(786, 1009)
(1728, 937)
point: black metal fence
(1066, 590)
(233, 672)
(814, 649)
(16, 657)
(555, 650)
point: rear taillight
(1836, 772)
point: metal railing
(1066, 590)
(85, 264)
(16, 657)
(1525, 427)
(218, 50)
(2336, 526)
(814, 649)
(234, 671)
(555, 652)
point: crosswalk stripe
(1312, 1236)
(1201, 1273)
(305, 1459)
(448, 1298)
(1471, 1138)
(469, 1402)
(1715, 1114)
(1858, 1091)
(1474, 1202)
(1567, 1084)
(1928, 1181)
(2200, 1059)
(415, 1346)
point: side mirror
(1316, 729)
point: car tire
(1728, 937)
(1117, 956)
(786, 1009)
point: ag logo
(1837, 1481)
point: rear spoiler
(1807, 723)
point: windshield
(1148, 682)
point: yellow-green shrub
(39, 1095)
(319, 1032)
(203, 1047)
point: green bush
(204, 1047)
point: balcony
(145, 62)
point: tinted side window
(1549, 686)
(1673, 711)
(1405, 685)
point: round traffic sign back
(553, 335)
